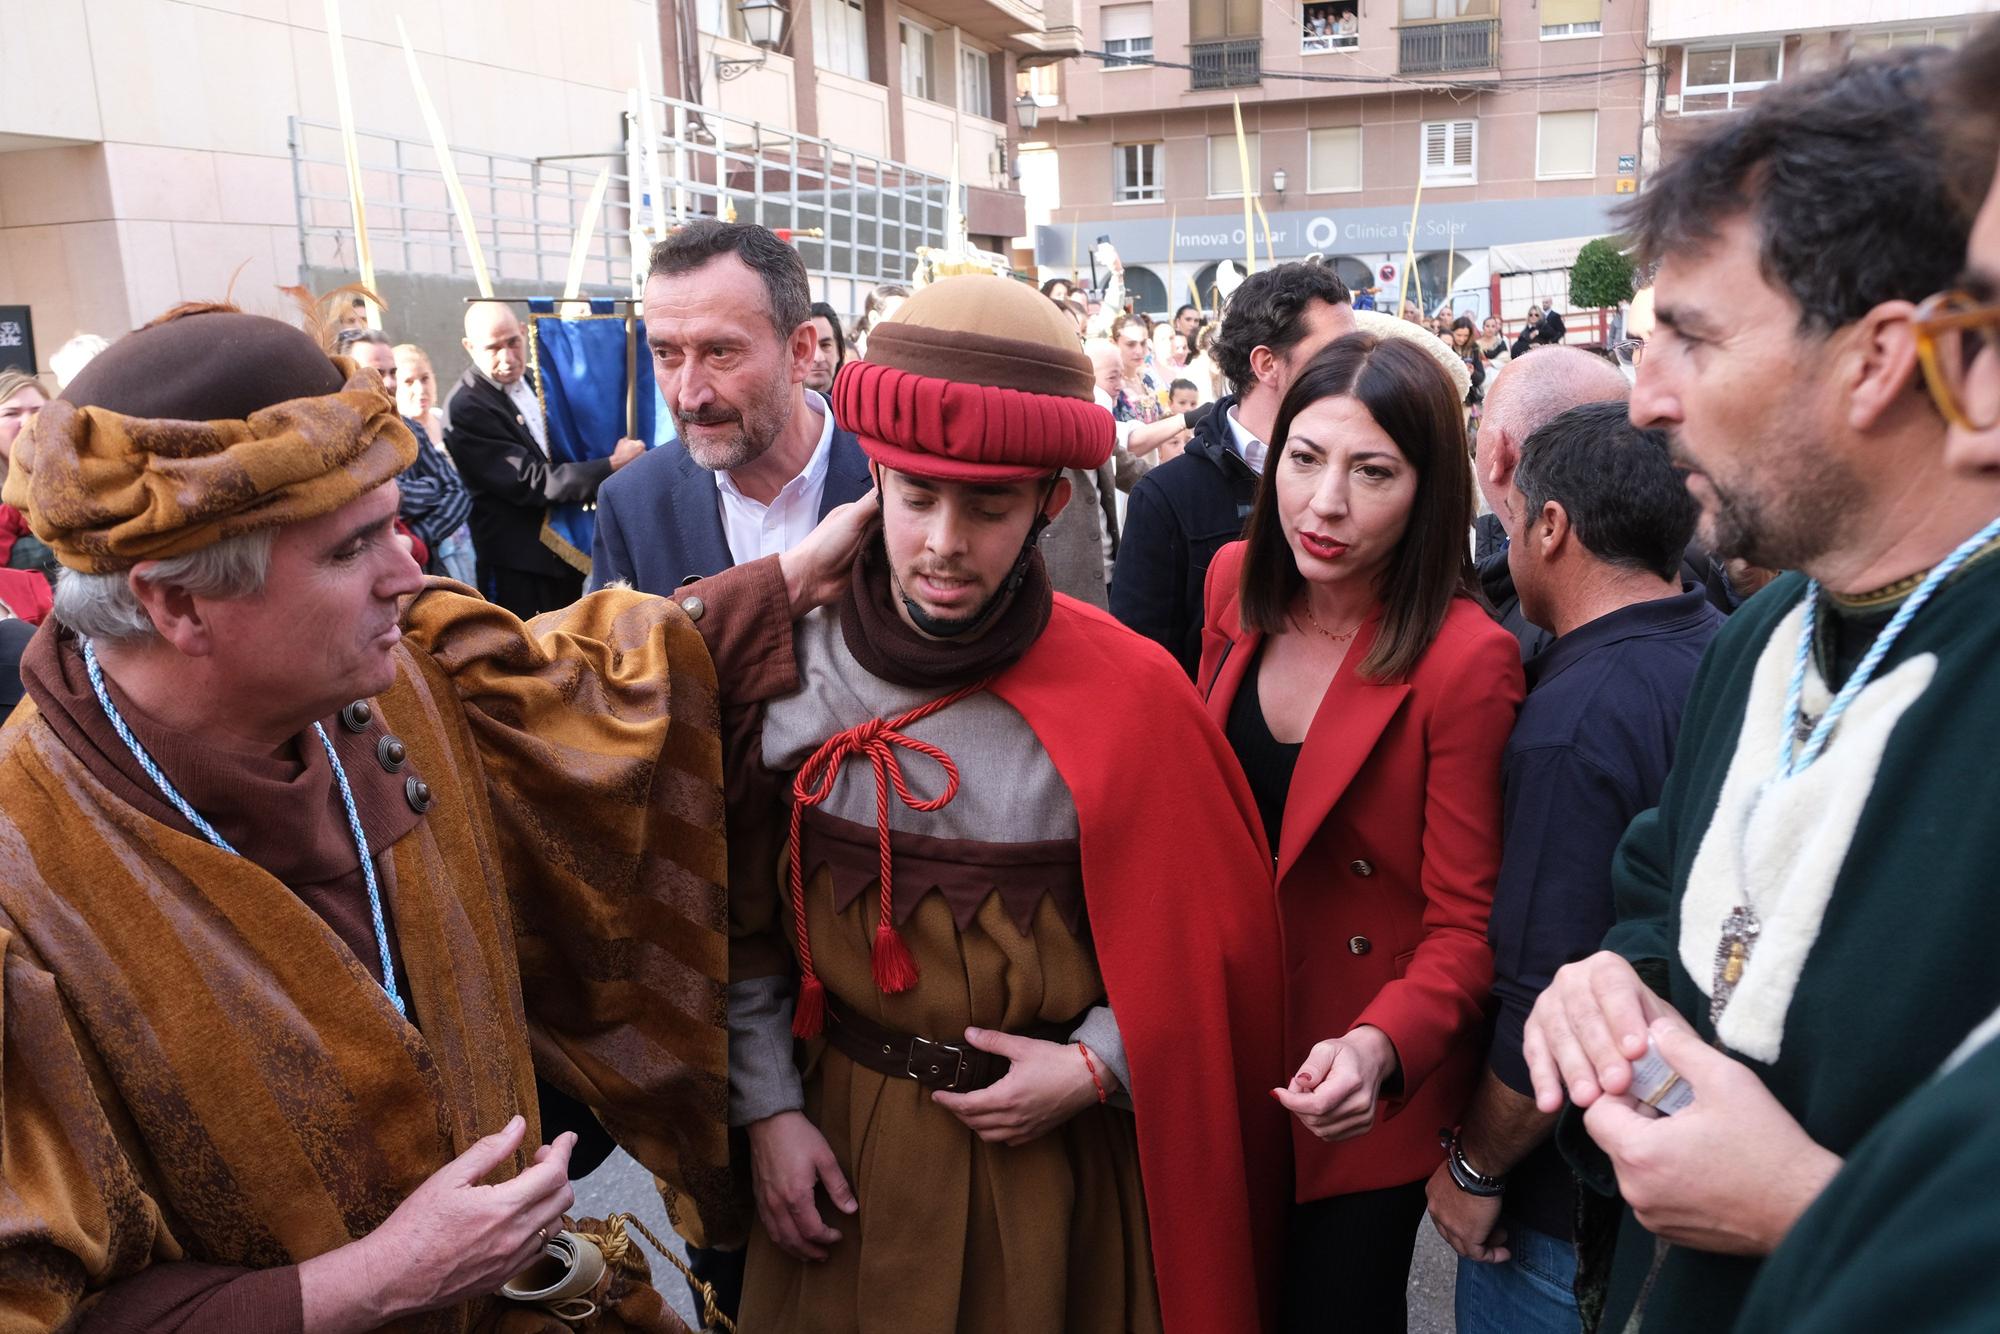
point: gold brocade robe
(192, 1066)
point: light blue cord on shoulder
(209, 832)
(1793, 760)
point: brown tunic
(199, 1063)
(953, 1233)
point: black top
(1267, 762)
(1589, 751)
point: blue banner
(583, 365)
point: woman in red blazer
(1368, 696)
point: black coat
(1551, 329)
(512, 481)
(1180, 514)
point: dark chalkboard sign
(17, 339)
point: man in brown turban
(310, 871)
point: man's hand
(1046, 1084)
(1334, 1092)
(788, 1158)
(1469, 1224)
(816, 569)
(1586, 1030)
(1730, 1174)
(453, 1239)
(627, 450)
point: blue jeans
(1529, 1294)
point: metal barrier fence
(871, 213)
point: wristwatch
(1463, 1174)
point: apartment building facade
(158, 151)
(1521, 121)
(930, 84)
(1711, 58)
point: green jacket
(1878, 957)
(1907, 1236)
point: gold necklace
(1340, 638)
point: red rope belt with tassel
(877, 739)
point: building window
(1127, 34)
(1449, 152)
(1722, 77)
(718, 17)
(1225, 171)
(1334, 26)
(919, 60)
(1333, 160)
(1871, 42)
(975, 83)
(1566, 145)
(1138, 174)
(840, 37)
(1440, 11)
(1571, 18)
(1043, 83)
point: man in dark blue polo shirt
(1599, 521)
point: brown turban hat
(196, 429)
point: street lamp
(763, 26)
(1027, 112)
(763, 22)
(1278, 180)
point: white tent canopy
(1535, 256)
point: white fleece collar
(1784, 848)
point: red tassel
(809, 1016)
(895, 970)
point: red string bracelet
(1091, 1066)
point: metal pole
(293, 132)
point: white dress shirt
(522, 395)
(754, 529)
(1249, 446)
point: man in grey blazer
(758, 459)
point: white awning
(1535, 256)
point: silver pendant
(1732, 954)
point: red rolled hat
(976, 379)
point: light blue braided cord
(208, 831)
(146, 762)
(1789, 765)
(367, 871)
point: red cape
(1177, 880)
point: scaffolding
(856, 219)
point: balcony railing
(1227, 64)
(1313, 43)
(1445, 48)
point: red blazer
(1385, 870)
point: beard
(758, 422)
(1787, 519)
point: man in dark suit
(758, 460)
(495, 433)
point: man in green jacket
(1904, 1237)
(1809, 895)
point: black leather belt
(955, 1067)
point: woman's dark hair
(1049, 288)
(822, 311)
(1411, 398)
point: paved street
(621, 1185)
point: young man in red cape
(1040, 1016)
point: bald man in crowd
(1528, 394)
(496, 434)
